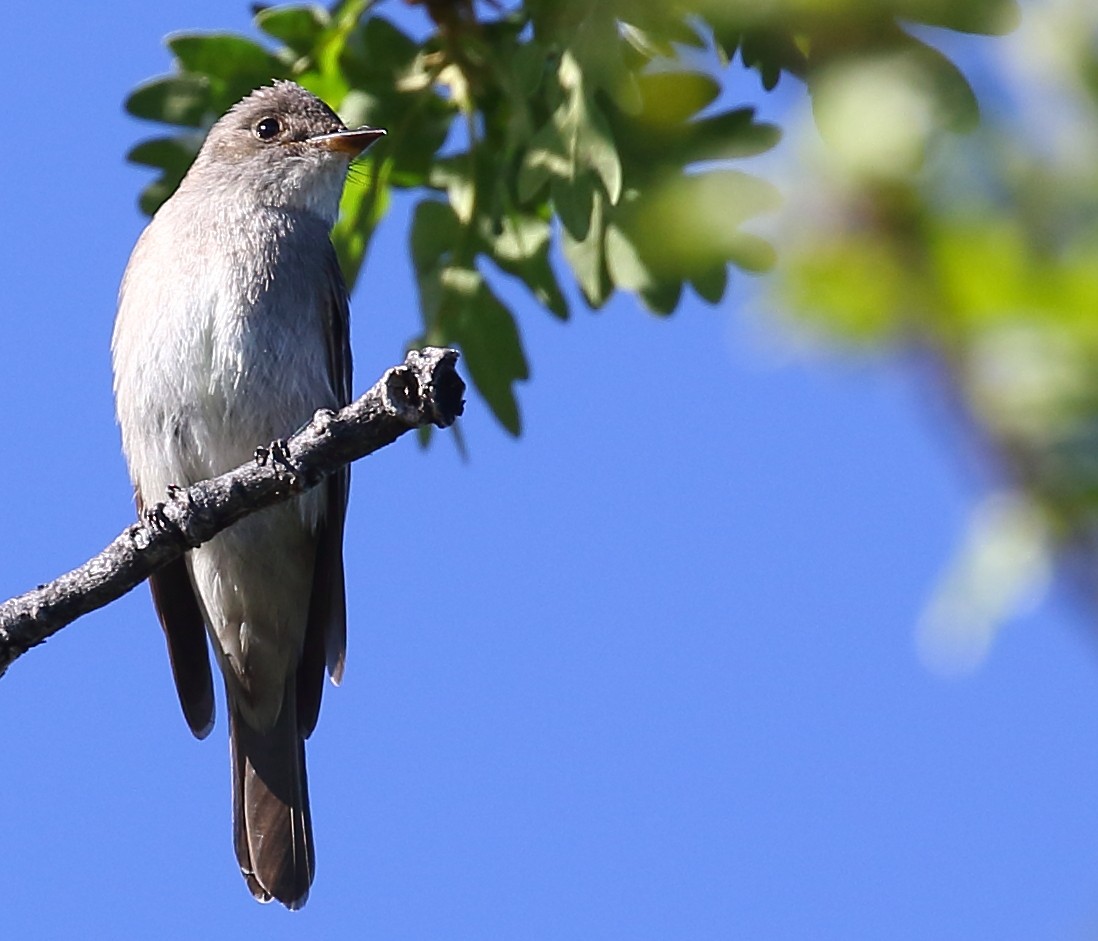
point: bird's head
(284, 146)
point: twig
(425, 390)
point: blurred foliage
(609, 128)
(980, 254)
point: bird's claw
(155, 518)
(278, 454)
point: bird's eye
(266, 128)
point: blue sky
(653, 675)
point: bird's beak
(349, 142)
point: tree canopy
(590, 124)
(607, 140)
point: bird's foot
(278, 454)
(156, 519)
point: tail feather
(272, 828)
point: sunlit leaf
(626, 268)
(521, 248)
(452, 175)
(584, 132)
(545, 158)
(595, 148)
(685, 226)
(299, 27)
(586, 256)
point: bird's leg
(155, 518)
(278, 453)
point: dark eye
(267, 128)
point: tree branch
(425, 390)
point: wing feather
(326, 633)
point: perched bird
(231, 331)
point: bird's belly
(215, 384)
(254, 579)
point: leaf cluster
(609, 128)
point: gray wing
(326, 632)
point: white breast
(220, 343)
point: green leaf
(662, 297)
(299, 27)
(473, 317)
(518, 238)
(434, 233)
(624, 264)
(173, 157)
(363, 206)
(670, 98)
(538, 276)
(521, 249)
(595, 148)
(173, 99)
(727, 33)
(710, 285)
(751, 253)
(651, 44)
(156, 194)
(596, 57)
(956, 98)
(586, 257)
(545, 158)
(584, 131)
(683, 227)
(240, 64)
(770, 52)
(375, 53)
(574, 203)
(418, 125)
(166, 153)
(529, 67)
(452, 175)
(670, 22)
(651, 150)
(726, 136)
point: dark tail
(272, 829)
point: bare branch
(425, 390)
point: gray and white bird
(232, 329)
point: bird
(231, 331)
